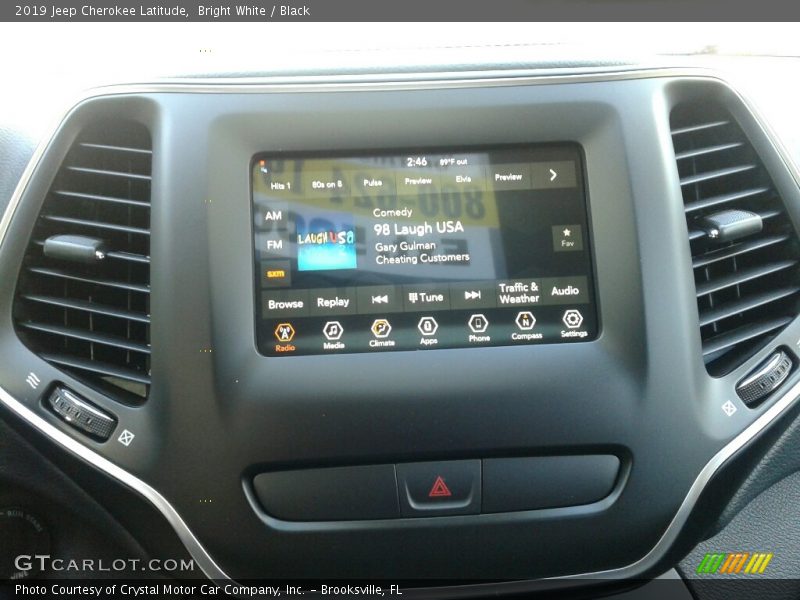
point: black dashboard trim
(196, 549)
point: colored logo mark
(751, 563)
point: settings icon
(572, 318)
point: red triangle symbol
(439, 489)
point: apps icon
(427, 326)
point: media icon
(478, 323)
(381, 328)
(525, 320)
(383, 299)
(472, 294)
(284, 332)
(333, 330)
(427, 326)
(572, 318)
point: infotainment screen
(419, 250)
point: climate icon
(381, 328)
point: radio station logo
(326, 244)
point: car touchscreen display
(420, 250)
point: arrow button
(553, 174)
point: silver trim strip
(196, 550)
(376, 83)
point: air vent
(92, 318)
(744, 247)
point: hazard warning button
(432, 489)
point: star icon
(567, 233)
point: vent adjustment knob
(74, 248)
(765, 379)
(729, 225)
(80, 414)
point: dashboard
(453, 329)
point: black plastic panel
(219, 412)
(339, 494)
(511, 484)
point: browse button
(440, 488)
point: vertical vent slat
(747, 289)
(93, 320)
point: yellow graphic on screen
(369, 189)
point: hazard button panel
(431, 489)
(437, 489)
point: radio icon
(381, 328)
(284, 332)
